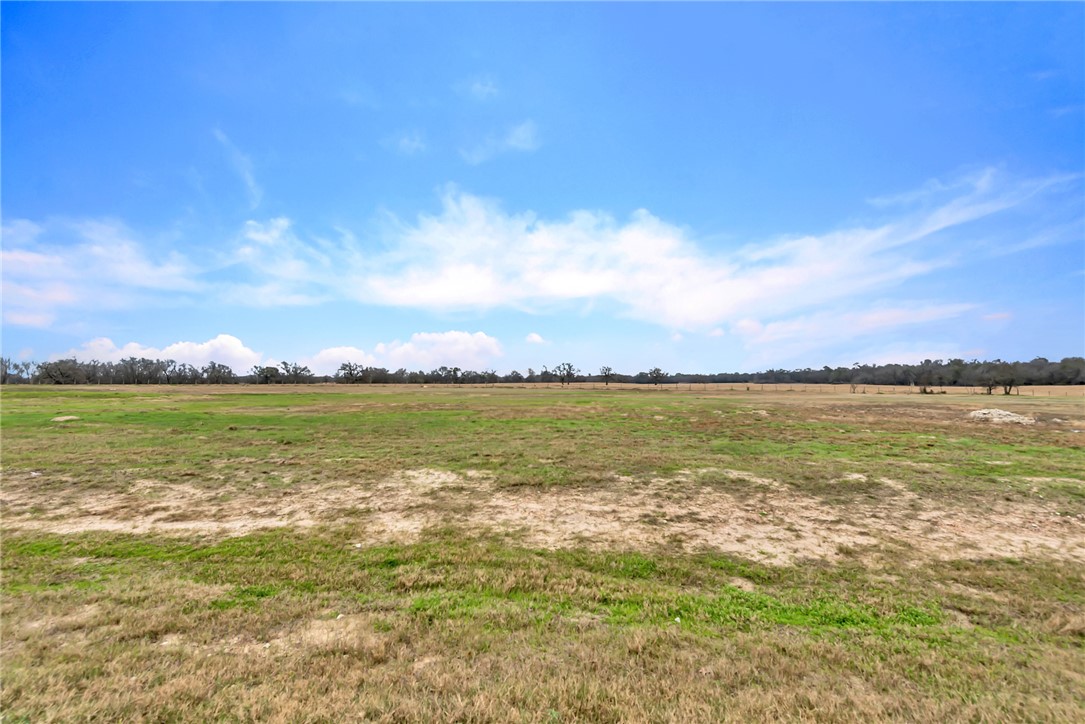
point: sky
(699, 187)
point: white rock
(1001, 416)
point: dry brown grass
(323, 666)
(540, 555)
(718, 510)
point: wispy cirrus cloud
(242, 165)
(23, 318)
(479, 87)
(474, 255)
(793, 338)
(408, 143)
(60, 265)
(522, 137)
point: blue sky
(702, 187)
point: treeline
(927, 375)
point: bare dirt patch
(1001, 417)
(768, 521)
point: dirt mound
(64, 418)
(1001, 417)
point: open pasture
(513, 554)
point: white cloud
(997, 316)
(792, 339)
(40, 320)
(110, 251)
(716, 332)
(676, 337)
(327, 361)
(427, 350)
(19, 232)
(408, 143)
(88, 264)
(747, 327)
(521, 137)
(360, 97)
(424, 350)
(534, 338)
(243, 166)
(474, 255)
(272, 294)
(287, 271)
(524, 137)
(224, 349)
(479, 88)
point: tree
(656, 375)
(985, 374)
(61, 372)
(295, 374)
(1006, 375)
(187, 374)
(218, 374)
(169, 371)
(925, 377)
(18, 372)
(264, 374)
(606, 373)
(1071, 370)
(348, 373)
(566, 373)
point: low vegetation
(563, 554)
(929, 376)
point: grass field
(511, 554)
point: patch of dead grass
(734, 512)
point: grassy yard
(502, 554)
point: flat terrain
(513, 554)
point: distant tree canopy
(987, 376)
(566, 373)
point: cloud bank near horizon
(473, 255)
(422, 351)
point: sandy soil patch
(771, 522)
